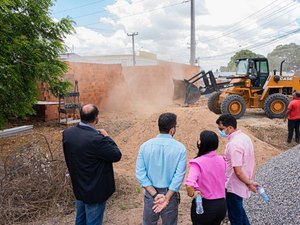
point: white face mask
(223, 134)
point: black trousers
(214, 212)
(293, 125)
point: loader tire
(276, 105)
(234, 105)
(213, 103)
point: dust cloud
(144, 90)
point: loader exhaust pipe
(281, 65)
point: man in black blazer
(89, 154)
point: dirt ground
(131, 129)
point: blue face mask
(223, 134)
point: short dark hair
(90, 115)
(297, 94)
(209, 141)
(227, 120)
(167, 121)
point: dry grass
(32, 181)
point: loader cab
(256, 69)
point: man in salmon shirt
(293, 116)
(240, 165)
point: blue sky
(84, 13)
(163, 26)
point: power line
(272, 20)
(78, 7)
(255, 46)
(262, 35)
(151, 10)
(242, 26)
(238, 24)
(100, 29)
(259, 45)
(104, 10)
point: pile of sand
(191, 121)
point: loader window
(264, 67)
(242, 67)
(263, 73)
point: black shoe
(289, 141)
(297, 140)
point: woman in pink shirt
(207, 178)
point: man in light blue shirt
(160, 169)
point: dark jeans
(236, 211)
(169, 215)
(214, 212)
(89, 214)
(293, 125)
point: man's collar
(164, 135)
(237, 131)
(87, 125)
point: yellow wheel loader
(252, 87)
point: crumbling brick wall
(153, 85)
(113, 87)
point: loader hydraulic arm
(190, 93)
(208, 79)
(211, 84)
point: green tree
(31, 43)
(241, 54)
(223, 69)
(290, 53)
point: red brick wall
(94, 80)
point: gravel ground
(280, 177)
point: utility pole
(133, 51)
(193, 40)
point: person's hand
(191, 192)
(160, 202)
(284, 120)
(197, 193)
(160, 198)
(252, 187)
(103, 132)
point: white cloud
(164, 28)
(88, 42)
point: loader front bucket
(185, 92)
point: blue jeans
(236, 211)
(89, 214)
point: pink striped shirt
(207, 174)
